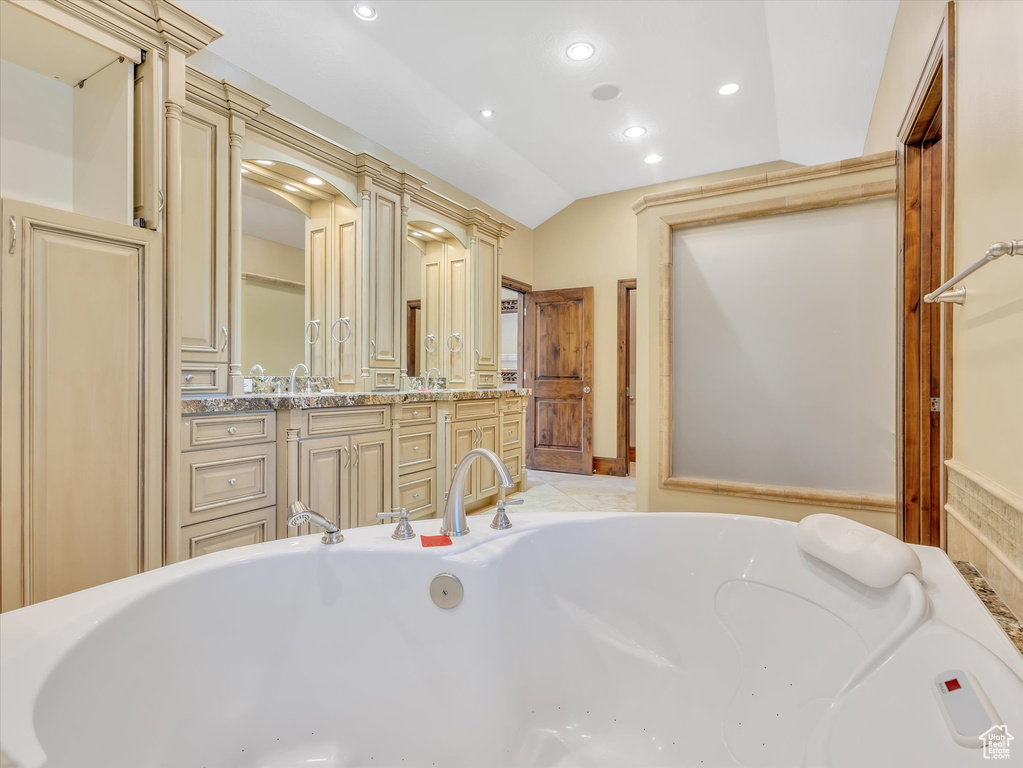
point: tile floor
(561, 492)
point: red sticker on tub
(435, 541)
(952, 685)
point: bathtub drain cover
(446, 590)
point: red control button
(952, 685)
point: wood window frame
(932, 105)
(791, 203)
(622, 460)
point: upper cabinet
(487, 310)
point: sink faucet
(294, 371)
(254, 368)
(454, 510)
(429, 373)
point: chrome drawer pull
(415, 413)
(232, 430)
(232, 481)
(415, 495)
(415, 447)
(189, 377)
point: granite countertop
(1005, 618)
(268, 402)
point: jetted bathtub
(581, 640)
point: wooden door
(558, 351)
(487, 310)
(463, 440)
(324, 481)
(203, 281)
(489, 432)
(81, 402)
(370, 477)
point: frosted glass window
(783, 369)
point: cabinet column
(235, 382)
(292, 484)
(364, 313)
(174, 90)
(400, 307)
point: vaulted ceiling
(415, 79)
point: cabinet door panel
(455, 347)
(385, 285)
(343, 356)
(228, 533)
(202, 286)
(486, 275)
(371, 477)
(464, 440)
(489, 431)
(323, 480)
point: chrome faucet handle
(404, 530)
(501, 521)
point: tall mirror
(298, 273)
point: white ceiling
(415, 79)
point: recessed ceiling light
(437, 230)
(634, 132)
(313, 180)
(245, 170)
(579, 51)
(416, 234)
(606, 92)
(291, 188)
(264, 162)
(728, 89)
(365, 12)
(487, 112)
(652, 159)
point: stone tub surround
(268, 402)
(995, 605)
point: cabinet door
(455, 346)
(323, 480)
(487, 310)
(489, 438)
(385, 282)
(433, 309)
(371, 477)
(463, 440)
(319, 287)
(202, 284)
(81, 403)
(341, 335)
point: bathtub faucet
(299, 514)
(454, 510)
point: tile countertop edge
(996, 607)
(264, 402)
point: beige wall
(916, 24)
(265, 257)
(518, 246)
(593, 242)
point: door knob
(586, 390)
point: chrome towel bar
(942, 294)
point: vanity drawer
(415, 412)
(418, 494)
(215, 431)
(220, 482)
(416, 450)
(513, 404)
(511, 432)
(332, 421)
(475, 409)
(385, 379)
(203, 378)
(228, 533)
(486, 380)
(514, 463)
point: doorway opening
(413, 339)
(924, 405)
(513, 306)
(626, 377)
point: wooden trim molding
(270, 280)
(775, 178)
(515, 285)
(795, 200)
(624, 286)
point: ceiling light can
(580, 51)
(316, 182)
(728, 89)
(291, 188)
(634, 132)
(652, 158)
(487, 112)
(365, 12)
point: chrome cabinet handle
(430, 343)
(232, 430)
(586, 390)
(372, 348)
(232, 481)
(14, 234)
(478, 357)
(415, 413)
(313, 325)
(348, 456)
(458, 338)
(189, 377)
(163, 201)
(357, 456)
(415, 447)
(333, 330)
(223, 331)
(415, 495)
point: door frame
(411, 346)
(522, 289)
(622, 460)
(933, 99)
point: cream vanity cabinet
(475, 424)
(228, 483)
(203, 319)
(417, 458)
(384, 249)
(338, 461)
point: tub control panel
(967, 709)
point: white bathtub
(582, 639)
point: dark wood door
(558, 352)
